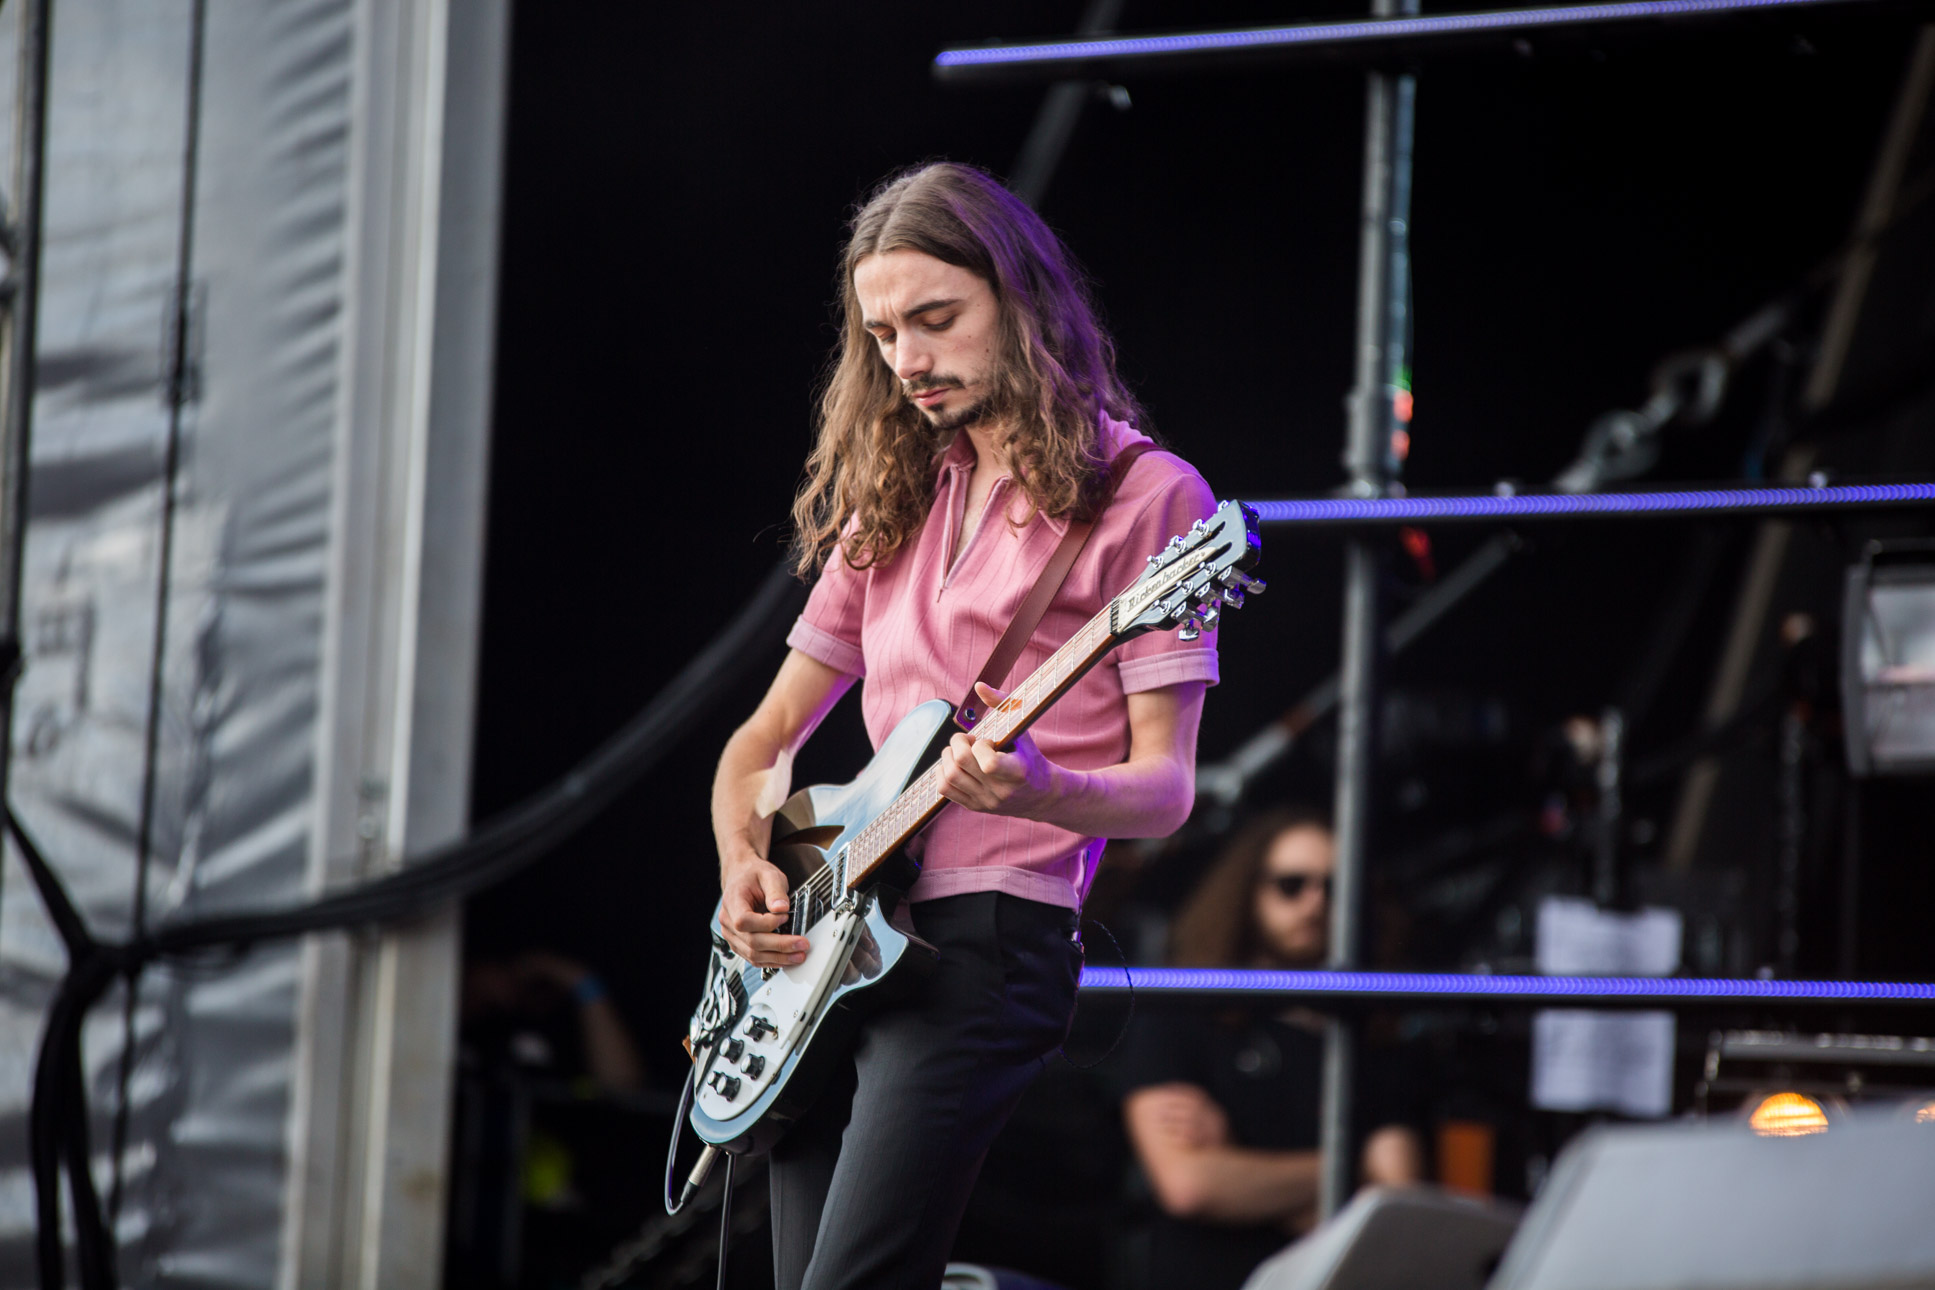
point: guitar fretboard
(921, 800)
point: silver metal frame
(369, 1131)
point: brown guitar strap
(1022, 626)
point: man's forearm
(801, 695)
(1239, 1184)
(1149, 798)
(745, 770)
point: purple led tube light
(1157, 49)
(1452, 987)
(1534, 506)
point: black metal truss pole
(1061, 110)
(1382, 317)
(19, 301)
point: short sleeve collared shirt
(917, 629)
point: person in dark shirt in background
(549, 1015)
(1221, 1108)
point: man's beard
(971, 415)
(974, 414)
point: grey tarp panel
(208, 1130)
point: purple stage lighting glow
(1260, 38)
(1558, 505)
(1453, 986)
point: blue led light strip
(1264, 38)
(1560, 505)
(1452, 987)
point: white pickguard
(783, 1009)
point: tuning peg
(1233, 597)
(1253, 585)
(1212, 616)
(1191, 629)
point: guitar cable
(1120, 1034)
(674, 1205)
(694, 1081)
(696, 1179)
(725, 1227)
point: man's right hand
(755, 902)
(1185, 1115)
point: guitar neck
(921, 800)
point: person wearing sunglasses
(1221, 1107)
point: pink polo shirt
(915, 630)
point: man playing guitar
(971, 413)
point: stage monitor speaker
(1710, 1207)
(1396, 1238)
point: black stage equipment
(1704, 1207)
(1411, 1238)
(1888, 660)
(1771, 1077)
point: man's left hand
(977, 775)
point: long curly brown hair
(870, 478)
(1216, 926)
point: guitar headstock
(1188, 582)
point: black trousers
(869, 1186)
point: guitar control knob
(759, 1028)
(754, 1065)
(735, 1049)
(728, 1085)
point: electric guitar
(763, 1038)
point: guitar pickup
(727, 1085)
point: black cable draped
(488, 854)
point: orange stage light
(1788, 1115)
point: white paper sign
(1590, 1061)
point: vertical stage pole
(1383, 308)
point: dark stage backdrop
(678, 177)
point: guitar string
(818, 888)
(923, 795)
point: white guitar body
(781, 1011)
(760, 1035)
